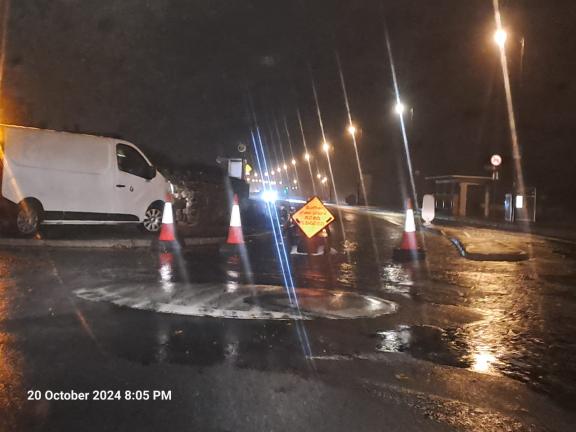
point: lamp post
(500, 36)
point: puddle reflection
(10, 382)
(166, 272)
(425, 343)
(397, 274)
(483, 362)
(205, 342)
(509, 308)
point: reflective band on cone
(167, 233)
(409, 240)
(408, 249)
(235, 235)
(409, 225)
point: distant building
(459, 195)
(481, 197)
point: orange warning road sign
(313, 217)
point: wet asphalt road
(472, 346)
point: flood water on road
(508, 318)
(503, 318)
(497, 318)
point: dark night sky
(173, 77)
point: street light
(295, 181)
(399, 108)
(326, 147)
(318, 176)
(285, 167)
(352, 130)
(293, 161)
(307, 156)
(500, 37)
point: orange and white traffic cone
(408, 249)
(235, 235)
(167, 231)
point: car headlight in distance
(270, 195)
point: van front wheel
(152, 219)
(28, 218)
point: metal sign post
(495, 161)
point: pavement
(474, 242)
(446, 344)
(562, 230)
(484, 244)
(118, 236)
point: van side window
(130, 161)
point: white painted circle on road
(231, 300)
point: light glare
(269, 195)
(500, 37)
(399, 108)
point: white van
(50, 177)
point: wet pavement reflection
(488, 317)
(491, 318)
(508, 318)
(11, 367)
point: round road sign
(241, 148)
(496, 160)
